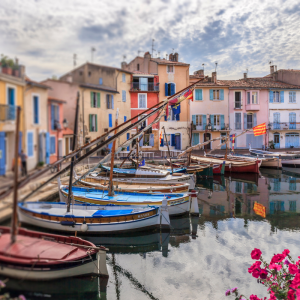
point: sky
(239, 35)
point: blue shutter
(3, 153)
(141, 142)
(20, 141)
(198, 94)
(178, 109)
(52, 116)
(52, 145)
(195, 139)
(151, 140)
(47, 148)
(172, 89)
(162, 142)
(30, 144)
(254, 120)
(112, 102)
(36, 109)
(166, 118)
(125, 119)
(109, 120)
(172, 139)
(281, 205)
(245, 121)
(281, 96)
(271, 96)
(57, 113)
(212, 120)
(178, 117)
(292, 120)
(222, 94)
(194, 119)
(100, 81)
(222, 122)
(204, 121)
(166, 89)
(12, 99)
(128, 137)
(211, 94)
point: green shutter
(98, 99)
(90, 117)
(96, 129)
(91, 99)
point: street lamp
(209, 126)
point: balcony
(284, 126)
(7, 113)
(209, 127)
(252, 106)
(144, 87)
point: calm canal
(202, 257)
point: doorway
(207, 137)
(277, 140)
(177, 141)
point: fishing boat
(266, 162)
(230, 165)
(43, 256)
(178, 204)
(129, 186)
(93, 219)
(289, 159)
(179, 169)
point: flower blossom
(275, 267)
(227, 293)
(293, 269)
(285, 252)
(263, 274)
(291, 295)
(255, 254)
(277, 258)
(254, 297)
(234, 290)
(286, 262)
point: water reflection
(201, 257)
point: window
(124, 96)
(292, 97)
(216, 94)
(170, 69)
(30, 144)
(109, 101)
(198, 94)
(95, 99)
(168, 138)
(90, 73)
(292, 183)
(238, 187)
(11, 96)
(292, 206)
(254, 98)
(35, 110)
(93, 123)
(144, 123)
(138, 67)
(123, 77)
(238, 100)
(249, 121)
(142, 100)
(248, 97)
(80, 73)
(276, 138)
(238, 121)
(52, 144)
(100, 81)
(110, 120)
(217, 120)
(54, 116)
(199, 120)
(276, 185)
(276, 97)
(170, 89)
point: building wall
(36, 129)
(261, 114)
(8, 127)
(288, 76)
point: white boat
(177, 204)
(93, 219)
(266, 162)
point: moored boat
(266, 162)
(178, 204)
(93, 219)
(43, 256)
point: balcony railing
(284, 126)
(209, 127)
(252, 106)
(238, 104)
(7, 112)
(147, 87)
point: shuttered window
(198, 94)
(30, 144)
(35, 110)
(124, 96)
(109, 101)
(292, 97)
(123, 77)
(142, 100)
(276, 98)
(93, 123)
(52, 144)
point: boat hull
(291, 163)
(250, 168)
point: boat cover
(108, 213)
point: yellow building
(12, 85)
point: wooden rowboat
(43, 256)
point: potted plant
(7, 65)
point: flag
(259, 209)
(161, 140)
(186, 95)
(260, 129)
(232, 140)
(142, 163)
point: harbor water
(201, 257)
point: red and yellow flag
(260, 129)
(259, 209)
(160, 137)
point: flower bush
(281, 276)
(7, 296)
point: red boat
(42, 256)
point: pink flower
(298, 293)
(285, 252)
(256, 265)
(275, 267)
(254, 297)
(263, 274)
(286, 262)
(255, 254)
(293, 269)
(227, 293)
(296, 281)
(277, 258)
(291, 295)
(234, 290)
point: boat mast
(73, 158)
(14, 221)
(110, 192)
(168, 149)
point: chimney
(123, 65)
(176, 55)
(271, 69)
(214, 77)
(245, 76)
(22, 71)
(171, 57)
(69, 78)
